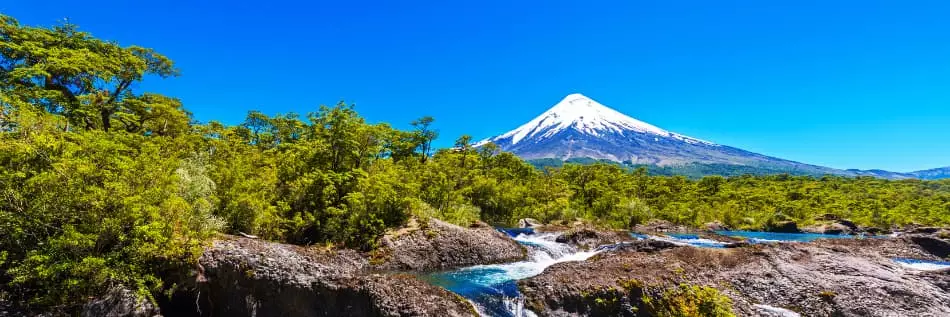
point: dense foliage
(102, 185)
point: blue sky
(853, 84)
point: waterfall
(493, 288)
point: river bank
(434, 268)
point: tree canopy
(101, 184)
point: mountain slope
(578, 127)
(936, 173)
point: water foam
(492, 288)
(922, 265)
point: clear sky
(853, 84)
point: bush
(690, 300)
(86, 210)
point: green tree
(70, 73)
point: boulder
(587, 238)
(830, 228)
(246, 277)
(848, 224)
(440, 245)
(528, 223)
(932, 245)
(657, 225)
(913, 229)
(834, 277)
(119, 302)
(827, 217)
(648, 245)
(875, 231)
(785, 226)
(716, 226)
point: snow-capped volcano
(586, 116)
(578, 126)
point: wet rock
(736, 245)
(716, 226)
(439, 245)
(662, 226)
(935, 246)
(848, 224)
(119, 302)
(785, 226)
(529, 223)
(587, 238)
(648, 245)
(835, 277)
(245, 277)
(921, 230)
(831, 228)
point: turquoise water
(514, 232)
(493, 288)
(924, 265)
(696, 241)
(765, 237)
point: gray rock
(922, 230)
(648, 245)
(848, 224)
(119, 302)
(246, 277)
(836, 277)
(440, 245)
(830, 228)
(587, 238)
(716, 226)
(529, 223)
(657, 225)
(786, 226)
(933, 245)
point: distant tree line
(101, 184)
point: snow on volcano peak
(579, 127)
(588, 117)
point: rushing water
(922, 265)
(764, 237)
(694, 240)
(493, 288)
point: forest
(102, 184)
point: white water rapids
(492, 288)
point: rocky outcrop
(438, 245)
(933, 245)
(586, 238)
(837, 226)
(246, 277)
(529, 223)
(785, 226)
(119, 302)
(648, 245)
(661, 226)
(716, 226)
(839, 277)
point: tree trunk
(106, 120)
